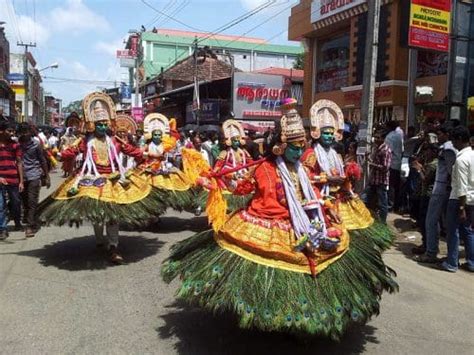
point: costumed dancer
(234, 158)
(283, 263)
(327, 171)
(101, 192)
(171, 188)
(125, 128)
(73, 124)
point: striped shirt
(382, 157)
(9, 153)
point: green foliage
(299, 64)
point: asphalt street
(59, 296)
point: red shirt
(9, 154)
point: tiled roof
(216, 43)
(297, 74)
(210, 69)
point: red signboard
(125, 53)
(430, 24)
(137, 113)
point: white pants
(111, 237)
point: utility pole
(196, 82)
(25, 77)
(368, 83)
(137, 84)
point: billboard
(430, 24)
(258, 96)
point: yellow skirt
(272, 242)
(111, 191)
(175, 181)
(355, 214)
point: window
(332, 61)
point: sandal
(426, 259)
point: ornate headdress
(125, 123)
(232, 129)
(324, 114)
(156, 121)
(98, 106)
(74, 121)
(292, 128)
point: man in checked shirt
(379, 164)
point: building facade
(161, 49)
(333, 34)
(35, 97)
(7, 95)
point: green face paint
(293, 153)
(101, 129)
(235, 143)
(327, 137)
(157, 137)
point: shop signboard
(258, 96)
(321, 9)
(430, 24)
(258, 126)
(125, 53)
(209, 111)
(15, 77)
(137, 113)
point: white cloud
(109, 48)
(77, 17)
(252, 4)
(22, 28)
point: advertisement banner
(430, 24)
(258, 96)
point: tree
(299, 64)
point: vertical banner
(430, 24)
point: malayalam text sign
(321, 9)
(430, 24)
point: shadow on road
(172, 224)
(199, 332)
(404, 225)
(82, 254)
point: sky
(82, 36)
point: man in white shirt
(197, 143)
(53, 140)
(394, 140)
(460, 210)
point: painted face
(101, 128)
(327, 137)
(156, 137)
(235, 142)
(294, 151)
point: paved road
(58, 295)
